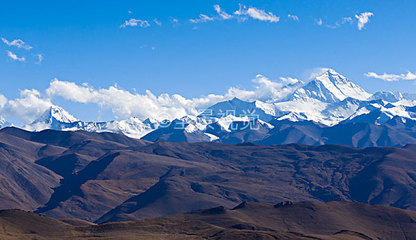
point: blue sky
(85, 42)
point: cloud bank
(392, 77)
(124, 104)
(30, 105)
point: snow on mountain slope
(228, 123)
(53, 118)
(132, 127)
(58, 119)
(191, 123)
(337, 112)
(240, 108)
(379, 113)
(4, 123)
(387, 96)
(330, 87)
(327, 99)
(299, 110)
(55, 113)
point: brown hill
(294, 172)
(300, 220)
(33, 165)
(109, 177)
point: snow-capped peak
(4, 123)
(53, 118)
(240, 108)
(328, 98)
(56, 113)
(330, 86)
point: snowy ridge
(330, 87)
(4, 123)
(53, 118)
(328, 99)
(58, 119)
(58, 114)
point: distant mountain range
(327, 109)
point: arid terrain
(109, 177)
(286, 220)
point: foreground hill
(287, 220)
(110, 177)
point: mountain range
(320, 111)
(106, 177)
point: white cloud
(40, 58)
(256, 13)
(71, 91)
(346, 20)
(289, 80)
(17, 43)
(3, 101)
(392, 77)
(221, 12)
(293, 17)
(319, 22)
(202, 19)
(157, 22)
(15, 57)
(174, 20)
(264, 90)
(363, 18)
(28, 107)
(135, 22)
(409, 76)
(337, 24)
(124, 104)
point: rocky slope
(110, 177)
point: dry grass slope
(299, 220)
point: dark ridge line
(72, 185)
(141, 200)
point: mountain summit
(53, 118)
(314, 112)
(55, 113)
(330, 86)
